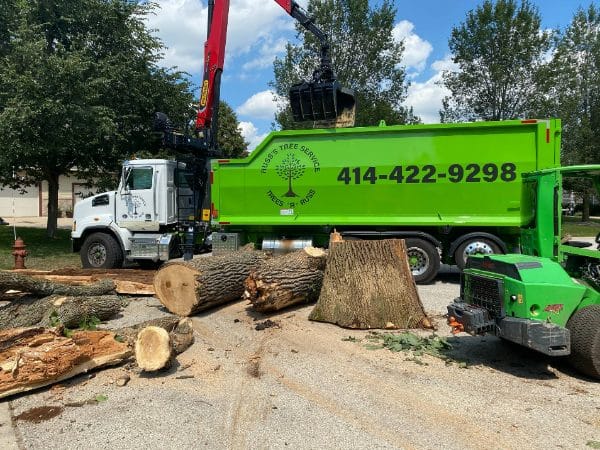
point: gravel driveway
(303, 386)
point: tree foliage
(79, 84)
(574, 92)
(229, 137)
(365, 58)
(499, 50)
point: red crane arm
(214, 58)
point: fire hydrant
(19, 253)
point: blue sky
(259, 29)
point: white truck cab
(137, 222)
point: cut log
(130, 333)
(55, 309)
(153, 349)
(182, 335)
(180, 330)
(34, 357)
(368, 284)
(42, 287)
(123, 287)
(186, 288)
(286, 280)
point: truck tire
(584, 327)
(101, 251)
(474, 246)
(423, 259)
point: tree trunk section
(368, 284)
(153, 349)
(52, 223)
(148, 342)
(48, 311)
(43, 287)
(34, 357)
(286, 280)
(585, 207)
(182, 335)
(186, 288)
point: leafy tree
(229, 137)
(364, 54)
(574, 87)
(499, 50)
(79, 84)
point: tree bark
(585, 207)
(34, 357)
(48, 311)
(368, 284)
(186, 288)
(16, 281)
(286, 280)
(52, 223)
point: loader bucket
(321, 101)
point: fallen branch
(42, 287)
(34, 357)
(57, 309)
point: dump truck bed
(419, 175)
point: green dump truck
(450, 190)
(547, 299)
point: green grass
(44, 253)
(575, 227)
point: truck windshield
(139, 178)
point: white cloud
(426, 97)
(269, 49)
(250, 134)
(181, 24)
(416, 50)
(261, 105)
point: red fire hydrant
(19, 253)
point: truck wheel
(101, 251)
(423, 259)
(584, 327)
(474, 246)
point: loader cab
(542, 212)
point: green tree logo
(290, 168)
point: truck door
(136, 208)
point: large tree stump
(54, 309)
(286, 280)
(41, 287)
(186, 288)
(368, 284)
(34, 357)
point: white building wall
(34, 202)
(25, 204)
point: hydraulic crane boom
(320, 99)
